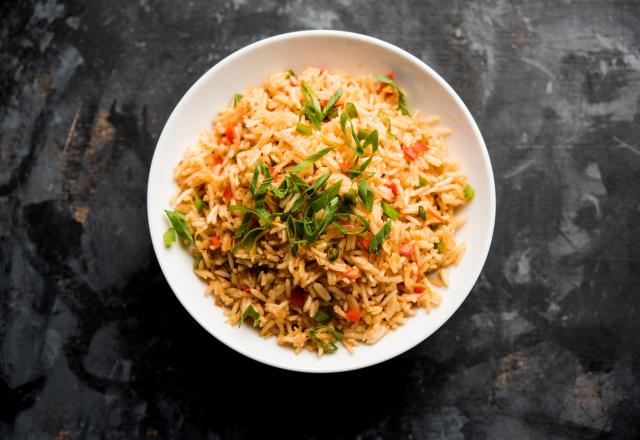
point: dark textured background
(95, 346)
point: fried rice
(353, 281)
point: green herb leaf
(469, 192)
(422, 213)
(422, 181)
(250, 312)
(197, 261)
(198, 203)
(402, 99)
(375, 246)
(304, 129)
(389, 211)
(236, 99)
(169, 237)
(179, 223)
(333, 253)
(310, 160)
(322, 317)
(439, 246)
(366, 194)
(290, 73)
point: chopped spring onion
(422, 213)
(303, 128)
(179, 223)
(198, 203)
(469, 192)
(169, 237)
(333, 252)
(322, 317)
(389, 211)
(306, 163)
(375, 246)
(350, 197)
(439, 246)
(250, 312)
(330, 346)
(236, 99)
(402, 99)
(422, 181)
(366, 194)
(311, 106)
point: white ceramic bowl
(355, 53)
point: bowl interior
(334, 50)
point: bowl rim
(486, 163)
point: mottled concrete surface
(93, 344)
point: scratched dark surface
(95, 346)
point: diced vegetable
(409, 154)
(236, 99)
(389, 211)
(353, 315)
(420, 288)
(406, 250)
(218, 160)
(231, 133)
(469, 192)
(333, 252)
(364, 243)
(169, 237)
(394, 188)
(215, 241)
(422, 181)
(435, 215)
(439, 246)
(322, 317)
(391, 75)
(227, 194)
(413, 152)
(420, 148)
(297, 298)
